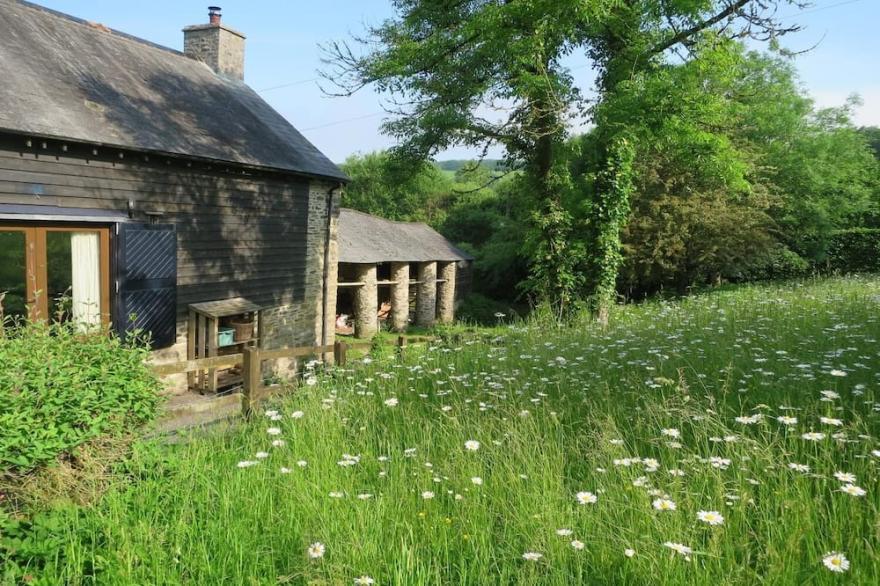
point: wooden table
(202, 336)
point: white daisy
(274, 431)
(392, 402)
(853, 490)
(663, 505)
(710, 517)
(472, 445)
(836, 562)
(586, 498)
(316, 550)
(532, 556)
(364, 581)
(845, 477)
(427, 495)
(578, 545)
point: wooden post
(191, 347)
(401, 346)
(251, 370)
(339, 349)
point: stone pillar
(331, 270)
(400, 296)
(366, 302)
(446, 293)
(426, 294)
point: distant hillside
(454, 165)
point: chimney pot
(214, 15)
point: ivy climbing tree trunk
(610, 210)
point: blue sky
(283, 38)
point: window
(56, 272)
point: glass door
(60, 273)
(16, 264)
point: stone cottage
(149, 187)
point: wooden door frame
(36, 261)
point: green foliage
(854, 249)
(779, 263)
(60, 387)
(482, 310)
(382, 186)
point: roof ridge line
(91, 24)
(404, 222)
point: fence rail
(251, 361)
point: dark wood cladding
(241, 232)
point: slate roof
(62, 77)
(367, 239)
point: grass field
(730, 438)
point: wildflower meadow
(727, 438)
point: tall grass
(555, 412)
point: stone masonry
(426, 297)
(218, 46)
(399, 296)
(446, 292)
(366, 301)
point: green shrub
(479, 309)
(779, 263)
(854, 250)
(60, 388)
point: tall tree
(483, 72)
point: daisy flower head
(477, 480)
(427, 495)
(563, 532)
(671, 432)
(472, 445)
(577, 544)
(364, 581)
(629, 552)
(710, 517)
(679, 548)
(813, 436)
(853, 490)
(392, 402)
(586, 498)
(532, 556)
(845, 477)
(297, 414)
(787, 420)
(836, 562)
(316, 550)
(831, 421)
(663, 505)
(274, 431)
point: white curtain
(85, 260)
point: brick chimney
(217, 45)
